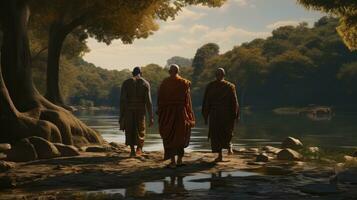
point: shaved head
(174, 69)
(220, 73)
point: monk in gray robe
(220, 109)
(135, 103)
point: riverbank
(114, 175)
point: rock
(347, 176)
(262, 158)
(22, 151)
(313, 149)
(4, 166)
(4, 147)
(350, 159)
(270, 149)
(44, 148)
(247, 152)
(277, 170)
(320, 189)
(289, 154)
(256, 163)
(354, 154)
(67, 150)
(98, 149)
(2, 156)
(117, 145)
(292, 143)
(253, 150)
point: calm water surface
(254, 130)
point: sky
(235, 22)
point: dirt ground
(104, 175)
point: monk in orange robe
(176, 117)
(220, 107)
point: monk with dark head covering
(176, 117)
(220, 107)
(135, 103)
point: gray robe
(135, 102)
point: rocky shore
(97, 172)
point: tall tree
(103, 20)
(347, 12)
(24, 112)
(204, 53)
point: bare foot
(230, 151)
(139, 152)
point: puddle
(173, 184)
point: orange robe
(176, 116)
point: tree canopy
(346, 10)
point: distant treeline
(296, 66)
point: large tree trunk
(15, 62)
(38, 116)
(15, 56)
(55, 42)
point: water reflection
(176, 184)
(257, 129)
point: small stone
(262, 158)
(350, 159)
(320, 189)
(289, 155)
(270, 149)
(292, 143)
(44, 148)
(314, 149)
(67, 150)
(4, 166)
(117, 145)
(22, 151)
(97, 149)
(256, 163)
(4, 147)
(2, 156)
(253, 150)
(354, 154)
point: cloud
(229, 32)
(241, 3)
(187, 14)
(197, 28)
(185, 44)
(170, 28)
(283, 23)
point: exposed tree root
(73, 131)
(23, 126)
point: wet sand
(114, 175)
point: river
(254, 130)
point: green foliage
(180, 61)
(346, 10)
(305, 66)
(204, 53)
(110, 19)
(296, 66)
